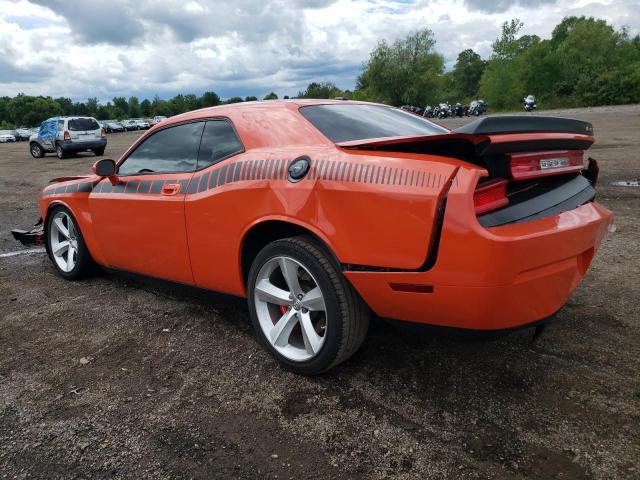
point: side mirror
(104, 168)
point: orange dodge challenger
(322, 211)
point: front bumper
(74, 146)
(491, 278)
(34, 236)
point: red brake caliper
(284, 309)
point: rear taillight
(539, 164)
(490, 196)
(67, 136)
(103, 133)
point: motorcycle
(457, 110)
(428, 111)
(477, 108)
(444, 110)
(530, 103)
(411, 109)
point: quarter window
(219, 141)
(171, 150)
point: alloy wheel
(63, 241)
(290, 308)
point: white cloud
(78, 49)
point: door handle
(170, 188)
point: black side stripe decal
(265, 169)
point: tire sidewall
(335, 309)
(59, 151)
(39, 150)
(83, 257)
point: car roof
(273, 105)
(267, 123)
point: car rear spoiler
(490, 136)
(525, 124)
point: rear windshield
(344, 123)
(77, 124)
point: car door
(48, 133)
(140, 221)
(212, 206)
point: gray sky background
(82, 48)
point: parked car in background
(22, 134)
(129, 125)
(113, 126)
(142, 123)
(157, 119)
(7, 136)
(65, 135)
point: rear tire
(63, 240)
(36, 150)
(60, 152)
(98, 151)
(323, 324)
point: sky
(86, 48)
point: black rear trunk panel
(545, 198)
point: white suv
(64, 135)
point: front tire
(36, 150)
(65, 245)
(98, 151)
(303, 309)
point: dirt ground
(113, 377)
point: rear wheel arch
(265, 232)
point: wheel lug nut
(304, 310)
(299, 296)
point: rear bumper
(74, 146)
(491, 278)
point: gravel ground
(115, 377)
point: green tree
(145, 108)
(407, 72)
(250, 99)
(501, 83)
(467, 73)
(210, 99)
(320, 90)
(134, 107)
(121, 107)
(270, 96)
(30, 111)
(66, 106)
(234, 100)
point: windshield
(6, 132)
(80, 124)
(344, 123)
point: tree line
(586, 62)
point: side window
(60, 125)
(219, 141)
(171, 150)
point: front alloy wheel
(63, 241)
(65, 245)
(36, 150)
(303, 308)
